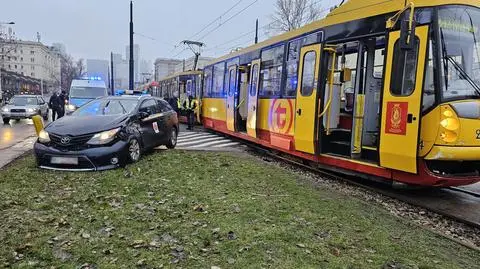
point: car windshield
(23, 101)
(459, 41)
(107, 107)
(87, 92)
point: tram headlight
(449, 136)
(450, 124)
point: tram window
(218, 75)
(271, 71)
(428, 86)
(253, 86)
(231, 85)
(308, 73)
(292, 68)
(404, 70)
(378, 63)
(207, 82)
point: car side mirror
(143, 115)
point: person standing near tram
(190, 105)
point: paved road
(15, 132)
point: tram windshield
(460, 50)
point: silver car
(24, 107)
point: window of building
(218, 76)
(23, 73)
(16, 66)
(9, 67)
(33, 67)
(207, 81)
(21, 51)
(32, 52)
(32, 74)
(9, 58)
(271, 71)
(21, 67)
(32, 60)
(21, 59)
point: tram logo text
(396, 118)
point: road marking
(210, 144)
(194, 142)
(227, 145)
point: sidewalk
(7, 155)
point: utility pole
(131, 63)
(112, 79)
(190, 44)
(256, 32)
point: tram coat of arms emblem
(396, 120)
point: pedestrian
(190, 105)
(53, 105)
(62, 98)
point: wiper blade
(464, 74)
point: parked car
(106, 133)
(24, 107)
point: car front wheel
(172, 141)
(134, 150)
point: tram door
(306, 102)
(253, 99)
(231, 97)
(401, 104)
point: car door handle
(411, 118)
(254, 108)
(299, 112)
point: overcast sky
(94, 28)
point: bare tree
(292, 14)
(70, 70)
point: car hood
(79, 101)
(81, 125)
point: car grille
(74, 142)
(18, 110)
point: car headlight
(43, 137)
(30, 110)
(5, 109)
(104, 137)
(71, 107)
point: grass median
(198, 210)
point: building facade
(34, 60)
(165, 67)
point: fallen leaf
(301, 245)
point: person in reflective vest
(190, 105)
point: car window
(163, 106)
(106, 107)
(149, 106)
(23, 101)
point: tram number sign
(478, 134)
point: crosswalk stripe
(191, 135)
(227, 145)
(199, 141)
(187, 134)
(210, 144)
(196, 138)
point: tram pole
(131, 63)
(112, 79)
(256, 32)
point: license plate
(64, 160)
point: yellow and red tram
(382, 88)
(180, 86)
